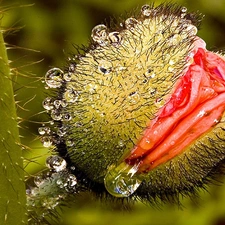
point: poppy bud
(140, 113)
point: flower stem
(12, 186)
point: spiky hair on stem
(126, 110)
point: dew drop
(54, 78)
(67, 76)
(115, 37)
(66, 117)
(56, 115)
(122, 181)
(133, 98)
(47, 141)
(99, 34)
(120, 143)
(56, 162)
(105, 67)
(193, 30)
(130, 23)
(183, 9)
(44, 130)
(146, 10)
(48, 103)
(71, 95)
(38, 180)
(69, 143)
(71, 180)
(61, 131)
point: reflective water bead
(130, 23)
(56, 115)
(44, 130)
(115, 37)
(47, 141)
(67, 76)
(105, 67)
(48, 103)
(99, 34)
(133, 97)
(122, 181)
(69, 142)
(71, 95)
(38, 180)
(183, 12)
(57, 103)
(146, 10)
(56, 162)
(72, 180)
(53, 78)
(66, 117)
(192, 29)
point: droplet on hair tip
(56, 162)
(54, 78)
(99, 34)
(146, 10)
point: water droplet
(105, 67)
(56, 162)
(71, 180)
(133, 98)
(48, 103)
(57, 103)
(193, 30)
(41, 130)
(54, 77)
(115, 37)
(146, 10)
(121, 143)
(130, 23)
(67, 76)
(99, 34)
(78, 124)
(71, 95)
(183, 12)
(38, 180)
(61, 131)
(56, 115)
(47, 141)
(122, 181)
(69, 142)
(44, 130)
(66, 117)
(183, 9)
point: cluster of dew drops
(55, 78)
(53, 134)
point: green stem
(12, 187)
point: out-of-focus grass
(50, 28)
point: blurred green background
(40, 35)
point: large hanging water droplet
(122, 181)
(56, 162)
(99, 34)
(54, 78)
